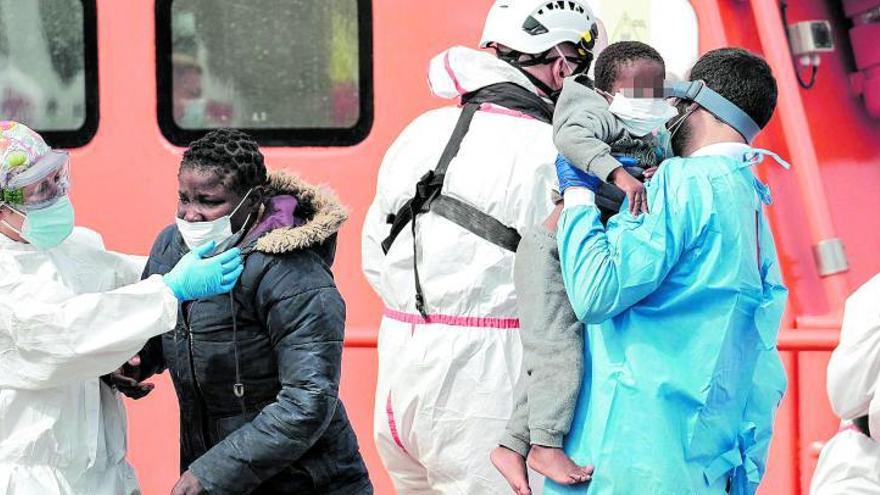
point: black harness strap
(428, 189)
(428, 192)
(861, 423)
(430, 185)
(485, 226)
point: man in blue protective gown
(682, 305)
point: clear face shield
(37, 187)
(34, 182)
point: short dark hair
(743, 78)
(612, 58)
(233, 154)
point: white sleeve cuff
(578, 196)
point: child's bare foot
(513, 467)
(554, 464)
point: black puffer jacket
(288, 433)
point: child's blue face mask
(48, 227)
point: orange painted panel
(358, 384)
(817, 422)
(780, 477)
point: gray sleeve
(583, 127)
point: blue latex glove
(571, 176)
(197, 277)
(626, 161)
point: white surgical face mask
(196, 234)
(641, 116)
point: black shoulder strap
(428, 197)
(430, 185)
(862, 424)
(514, 97)
(429, 189)
(483, 225)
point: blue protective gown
(682, 307)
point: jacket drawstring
(238, 386)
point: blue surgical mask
(47, 227)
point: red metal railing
(790, 339)
(803, 339)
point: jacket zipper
(192, 370)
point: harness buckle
(420, 305)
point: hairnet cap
(25, 158)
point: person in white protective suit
(449, 345)
(850, 462)
(71, 311)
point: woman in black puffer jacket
(257, 373)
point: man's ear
(559, 71)
(561, 68)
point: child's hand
(650, 172)
(635, 190)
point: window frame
(276, 136)
(77, 138)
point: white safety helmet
(535, 26)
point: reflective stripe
(456, 321)
(392, 425)
(490, 108)
(452, 75)
(849, 427)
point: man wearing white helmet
(442, 259)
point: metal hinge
(830, 257)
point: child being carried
(617, 133)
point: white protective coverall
(445, 387)
(850, 462)
(63, 430)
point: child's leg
(553, 346)
(552, 336)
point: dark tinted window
(290, 72)
(48, 76)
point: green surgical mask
(46, 228)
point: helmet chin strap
(520, 65)
(549, 92)
(542, 59)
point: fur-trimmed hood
(319, 215)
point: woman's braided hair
(232, 153)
